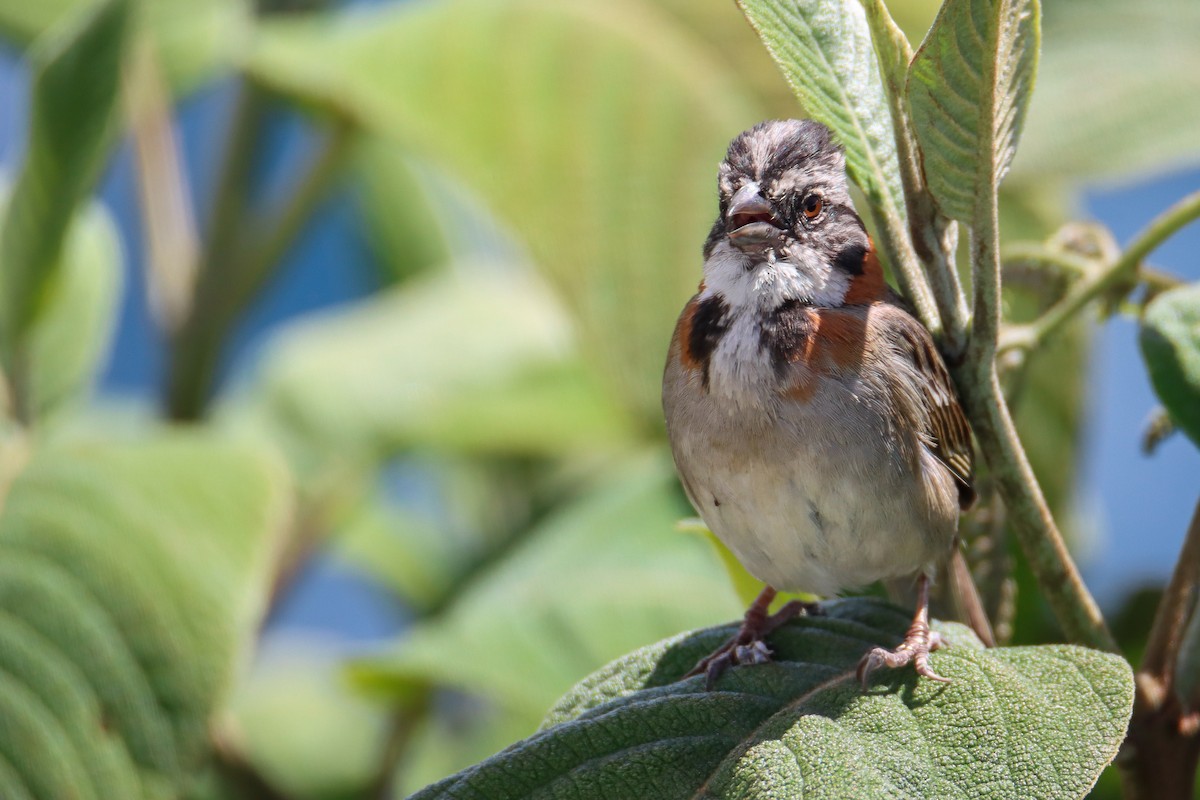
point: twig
(1158, 759)
(1031, 519)
(168, 220)
(1174, 610)
(233, 271)
(1097, 282)
(195, 346)
(255, 269)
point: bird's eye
(811, 206)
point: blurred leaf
(1015, 723)
(824, 49)
(1145, 117)
(1170, 339)
(480, 363)
(722, 27)
(407, 234)
(76, 324)
(304, 729)
(592, 129)
(131, 578)
(195, 37)
(413, 558)
(606, 574)
(968, 88)
(76, 71)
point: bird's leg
(747, 646)
(916, 647)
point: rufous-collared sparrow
(814, 425)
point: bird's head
(787, 229)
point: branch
(1028, 512)
(1174, 610)
(168, 221)
(233, 271)
(1098, 282)
(196, 345)
(1158, 759)
(256, 267)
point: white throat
(741, 371)
(796, 273)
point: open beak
(750, 219)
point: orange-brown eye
(812, 205)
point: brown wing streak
(949, 434)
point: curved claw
(747, 645)
(919, 642)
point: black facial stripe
(784, 332)
(851, 258)
(709, 325)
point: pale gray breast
(820, 495)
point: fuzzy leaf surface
(968, 89)
(131, 576)
(1170, 340)
(1015, 723)
(824, 50)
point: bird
(813, 423)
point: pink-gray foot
(747, 645)
(918, 643)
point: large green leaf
(76, 72)
(606, 574)
(195, 38)
(968, 88)
(1014, 723)
(824, 49)
(409, 237)
(480, 361)
(594, 130)
(1170, 339)
(131, 577)
(1145, 57)
(72, 334)
(303, 728)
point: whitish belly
(807, 506)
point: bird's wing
(948, 433)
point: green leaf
(301, 727)
(76, 73)
(968, 89)
(603, 575)
(1170, 339)
(825, 52)
(68, 340)
(408, 236)
(195, 38)
(593, 130)
(130, 579)
(480, 362)
(1014, 723)
(1144, 119)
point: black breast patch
(709, 323)
(785, 332)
